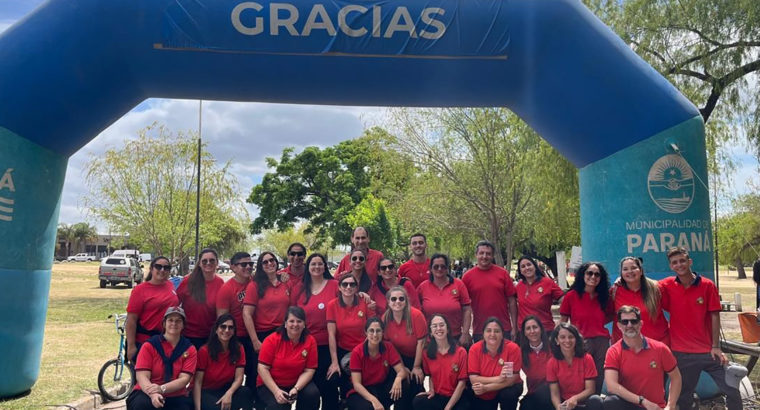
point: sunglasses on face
(166, 268)
(594, 274)
(399, 298)
(227, 327)
(348, 285)
(208, 261)
(357, 259)
(244, 264)
(268, 261)
(439, 267)
(374, 331)
(297, 253)
(387, 267)
(626, 322)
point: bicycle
(113, 382)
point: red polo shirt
(690, 313)
(416, 272)
(446, 370)
(373, 258)
(586, 314)
(572, 378)
(536, 300)
(374, 370)
(230, 298)
(655, 327)
(149, 360)
(406, 343)
(149, 302)
(316, 310)
(201, 316)
(218, 373)
(295, 278)
(349, 322)
(490, 291)
(271, 308)
(642, 373)
(483, 364)
(378, 291)
(535, 371)
(287, 360)
(448, 301)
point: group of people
(370, 335)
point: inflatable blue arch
(73, 67)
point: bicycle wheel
(116, 380)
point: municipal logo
(671, 184)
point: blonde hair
(650, 292)
(388, 315)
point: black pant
(614, 402)
(197, 341)
(691, 365)
(308, 398)
(241, 399)
(539, 399)
(506, 398)
(344, 380)
(138, 400)
(328, 389)
(597, 347)
(414, 386)
(252, 358)
(439, 402)
(382, 392)
(593, 402)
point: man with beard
(296, 255)
(360, 240)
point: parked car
(81, 257)
(132, 253)
(120, 269)
(223, 266)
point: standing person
(635, 289)
(494, 365)
(756, 279)
(571, 372)
(197, 293)
(221, 366)
(230, 300)
(147, 304)
(694, 307)
(534, 345)
(535, 293)
(446, 364)
(587, 306)
(491, 290)
(358, 269)
(316, 292)
(387, 279)
(295, 270)
(360, 240)
(287, 362)
(374, 385)
(346, 316)
(442, 293)
(406, 329)
(164, 368)
(416, 269)
(635, 368)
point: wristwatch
(163, 390)
(641, 400)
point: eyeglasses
(440, 267)
(297, 253)
(387, 267)
(357, 259)
(594, 274)
(400, 299)
(626, 322)
(227, 327)
(244, 264)
(208, 261)
(348, 284)
(268, 261)
(166, 268)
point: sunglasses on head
(297, 253)
(387, 267)
(357, 259)
(244, 264)
(594, 274)
(348, 284)
(398, 298)
(268, 261)
(208, 261)
(626, 322)
(159, 266)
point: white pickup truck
(81, 257)
(120, 269)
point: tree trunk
(740, 268)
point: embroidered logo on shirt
(501, 362)
(700, 301)
(540, 289)
(184, 355)
(241, 296)
(385, 363)
(455, 367)
(304, 353)
(361, 313)
(454, 291)
(653, 364)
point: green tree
(83, 233)
(66, 234)
(371, 213)
(147, 187)
(739, 233)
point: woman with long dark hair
(633, 288)
(358, 263)
(443, 293)
(446, 364)
(534, 345)
(388, 277)
(221, 365)
(571, 371)
(494, 365)
(535, 293)
(197, 294)
(587, 306)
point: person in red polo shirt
(571, 372)
(494, 365)
(416, 269)
(197, 294)
(491, 290)
(374, 385)
(221, 365)
(230, 300)
(287, 361)
(635, 368)
(535, 293)
(443, 293)
(694, 307)
(633, 288)
(296, 269)
(360, 241)
(165, 366)
(534, 345)
(446, 364)
(388, 278)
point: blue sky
(247, 133)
